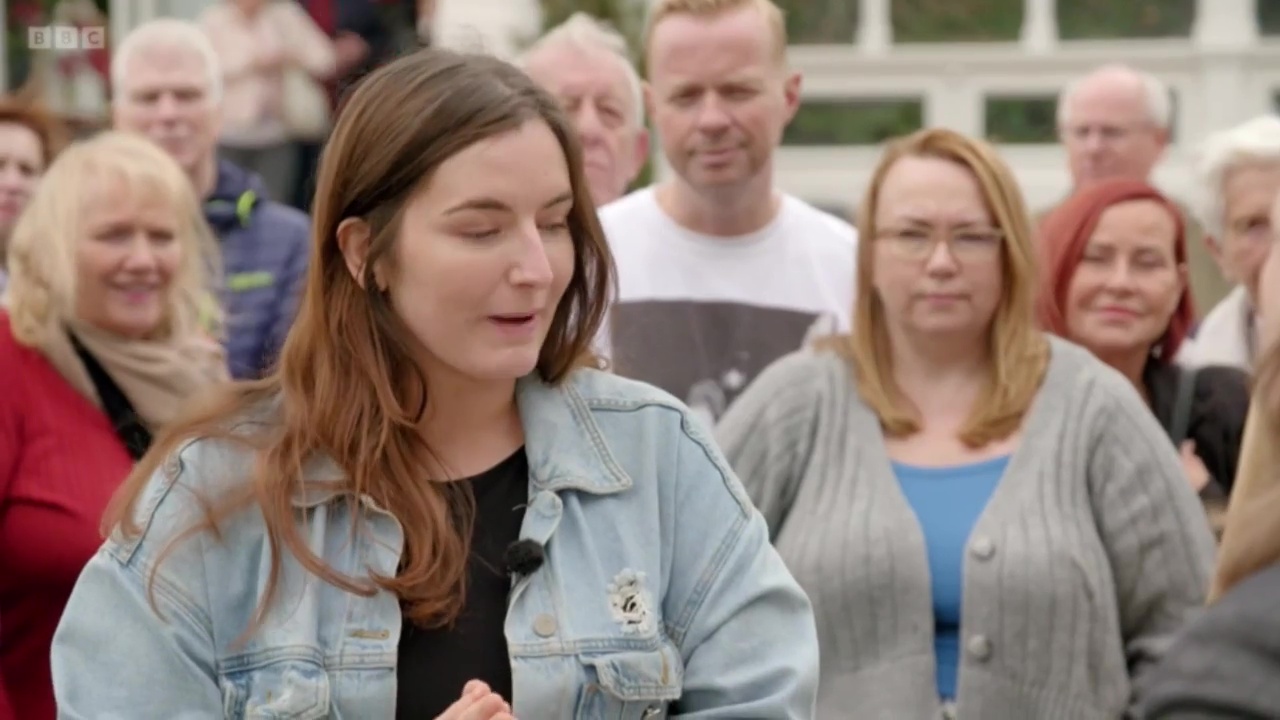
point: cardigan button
(982, 548)
(980, 647)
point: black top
(434, 665)
(1219, 406)
(1225, 663)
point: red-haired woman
(30, 137)
(1115, 281)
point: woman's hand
(1197, 474)
(478, 702)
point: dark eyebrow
(485, 203)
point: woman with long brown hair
(435, 506)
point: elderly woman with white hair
(1239, 178)
(108, 328)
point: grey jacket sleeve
(1225, 664)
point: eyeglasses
(919, 243)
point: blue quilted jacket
(265, 246)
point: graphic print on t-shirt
(705, 353)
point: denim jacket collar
(564, 446)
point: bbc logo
(66, 37)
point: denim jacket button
(549, 504)
(544, 625)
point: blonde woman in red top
(101, 341)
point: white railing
(1215, 89)
(1222, 74)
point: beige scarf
(157, 376)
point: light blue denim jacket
(660, 595)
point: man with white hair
(585, 64)
(1114, 122)
(1239, 176)
(167, 84)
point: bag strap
(1180, 421)
(135, 436)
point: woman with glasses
(988, 521)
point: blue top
(947, 502)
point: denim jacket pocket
(292, 688)
(633, 685)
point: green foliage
(853, 122)
(1021, 120)
(1097, 19)
(958, 20)
(836, 21)
(814, 22)
(1269, 16)
(626, 16)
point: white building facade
(1224, 72)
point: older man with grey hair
(1114, 122)
(585, 64)
(167, 85)
(1239, 177)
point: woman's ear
(354, 237)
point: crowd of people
(485, 433)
